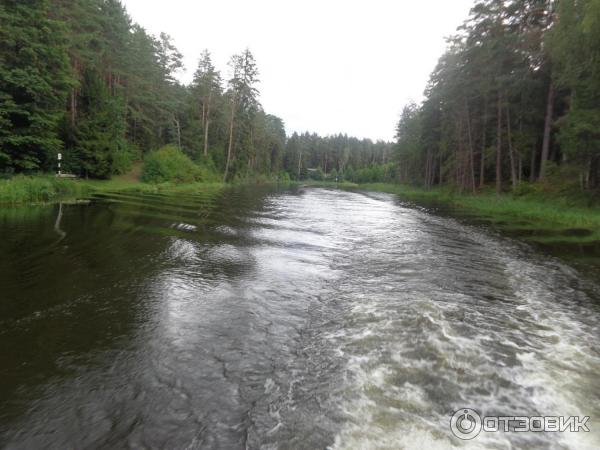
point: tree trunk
(206, 124)
(533, 160)
(428, 169)
(299, 163)
(457, 159)
(471, 151)
(499, 147)
(178, 128)
(547, 130)
(513, 169)
(206, 138)
(73, 107)
(229, 147)
(482, 160)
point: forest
(79, 78)
(514, 102)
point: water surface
(264, 318)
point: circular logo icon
(466, 424)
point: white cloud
(326, 65)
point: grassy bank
(48, 188)
(40, 189)
(555, 217)
(532, 210)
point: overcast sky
(327, 66)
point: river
(293, 318)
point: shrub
(561, 179)
(348, 174)
(316, 174)
(207, 171)
(170, 164)
(283, 177)
(123, 159)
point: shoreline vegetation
(534, 207)
(567, 218)
(47, 189)
(538, 216)
(511, 107)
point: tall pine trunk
(547, 130)
(499, 147)
(513, 168)
(206, 138)
(471, 151)
(229, 147)
(483, 143)
(206, 123)
(178, 128)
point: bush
(207, 171)
(316, 174)
(561, 179)
(348, 174)
(170, 164)
(123, 159)
(283, 177)
(375, 173)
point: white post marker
(59, 159)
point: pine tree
(34, 81)
(206, 88)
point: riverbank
(551, 217)
(48, 189)
(541, 217)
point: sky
(326, 66)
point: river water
(263, 318)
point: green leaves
(34, 81)
(169, 164)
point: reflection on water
(57, 228)
(258, 318)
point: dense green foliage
(170, 164)
(78, 77)
(34, 80)
(306, 154)
(515, 97)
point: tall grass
(39, 189)
(544, 210)
(46, 189)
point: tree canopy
(81, 78)
(515, 94)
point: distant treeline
(79, 77)
(515, 97)
(348, 158)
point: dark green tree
(34, 82)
